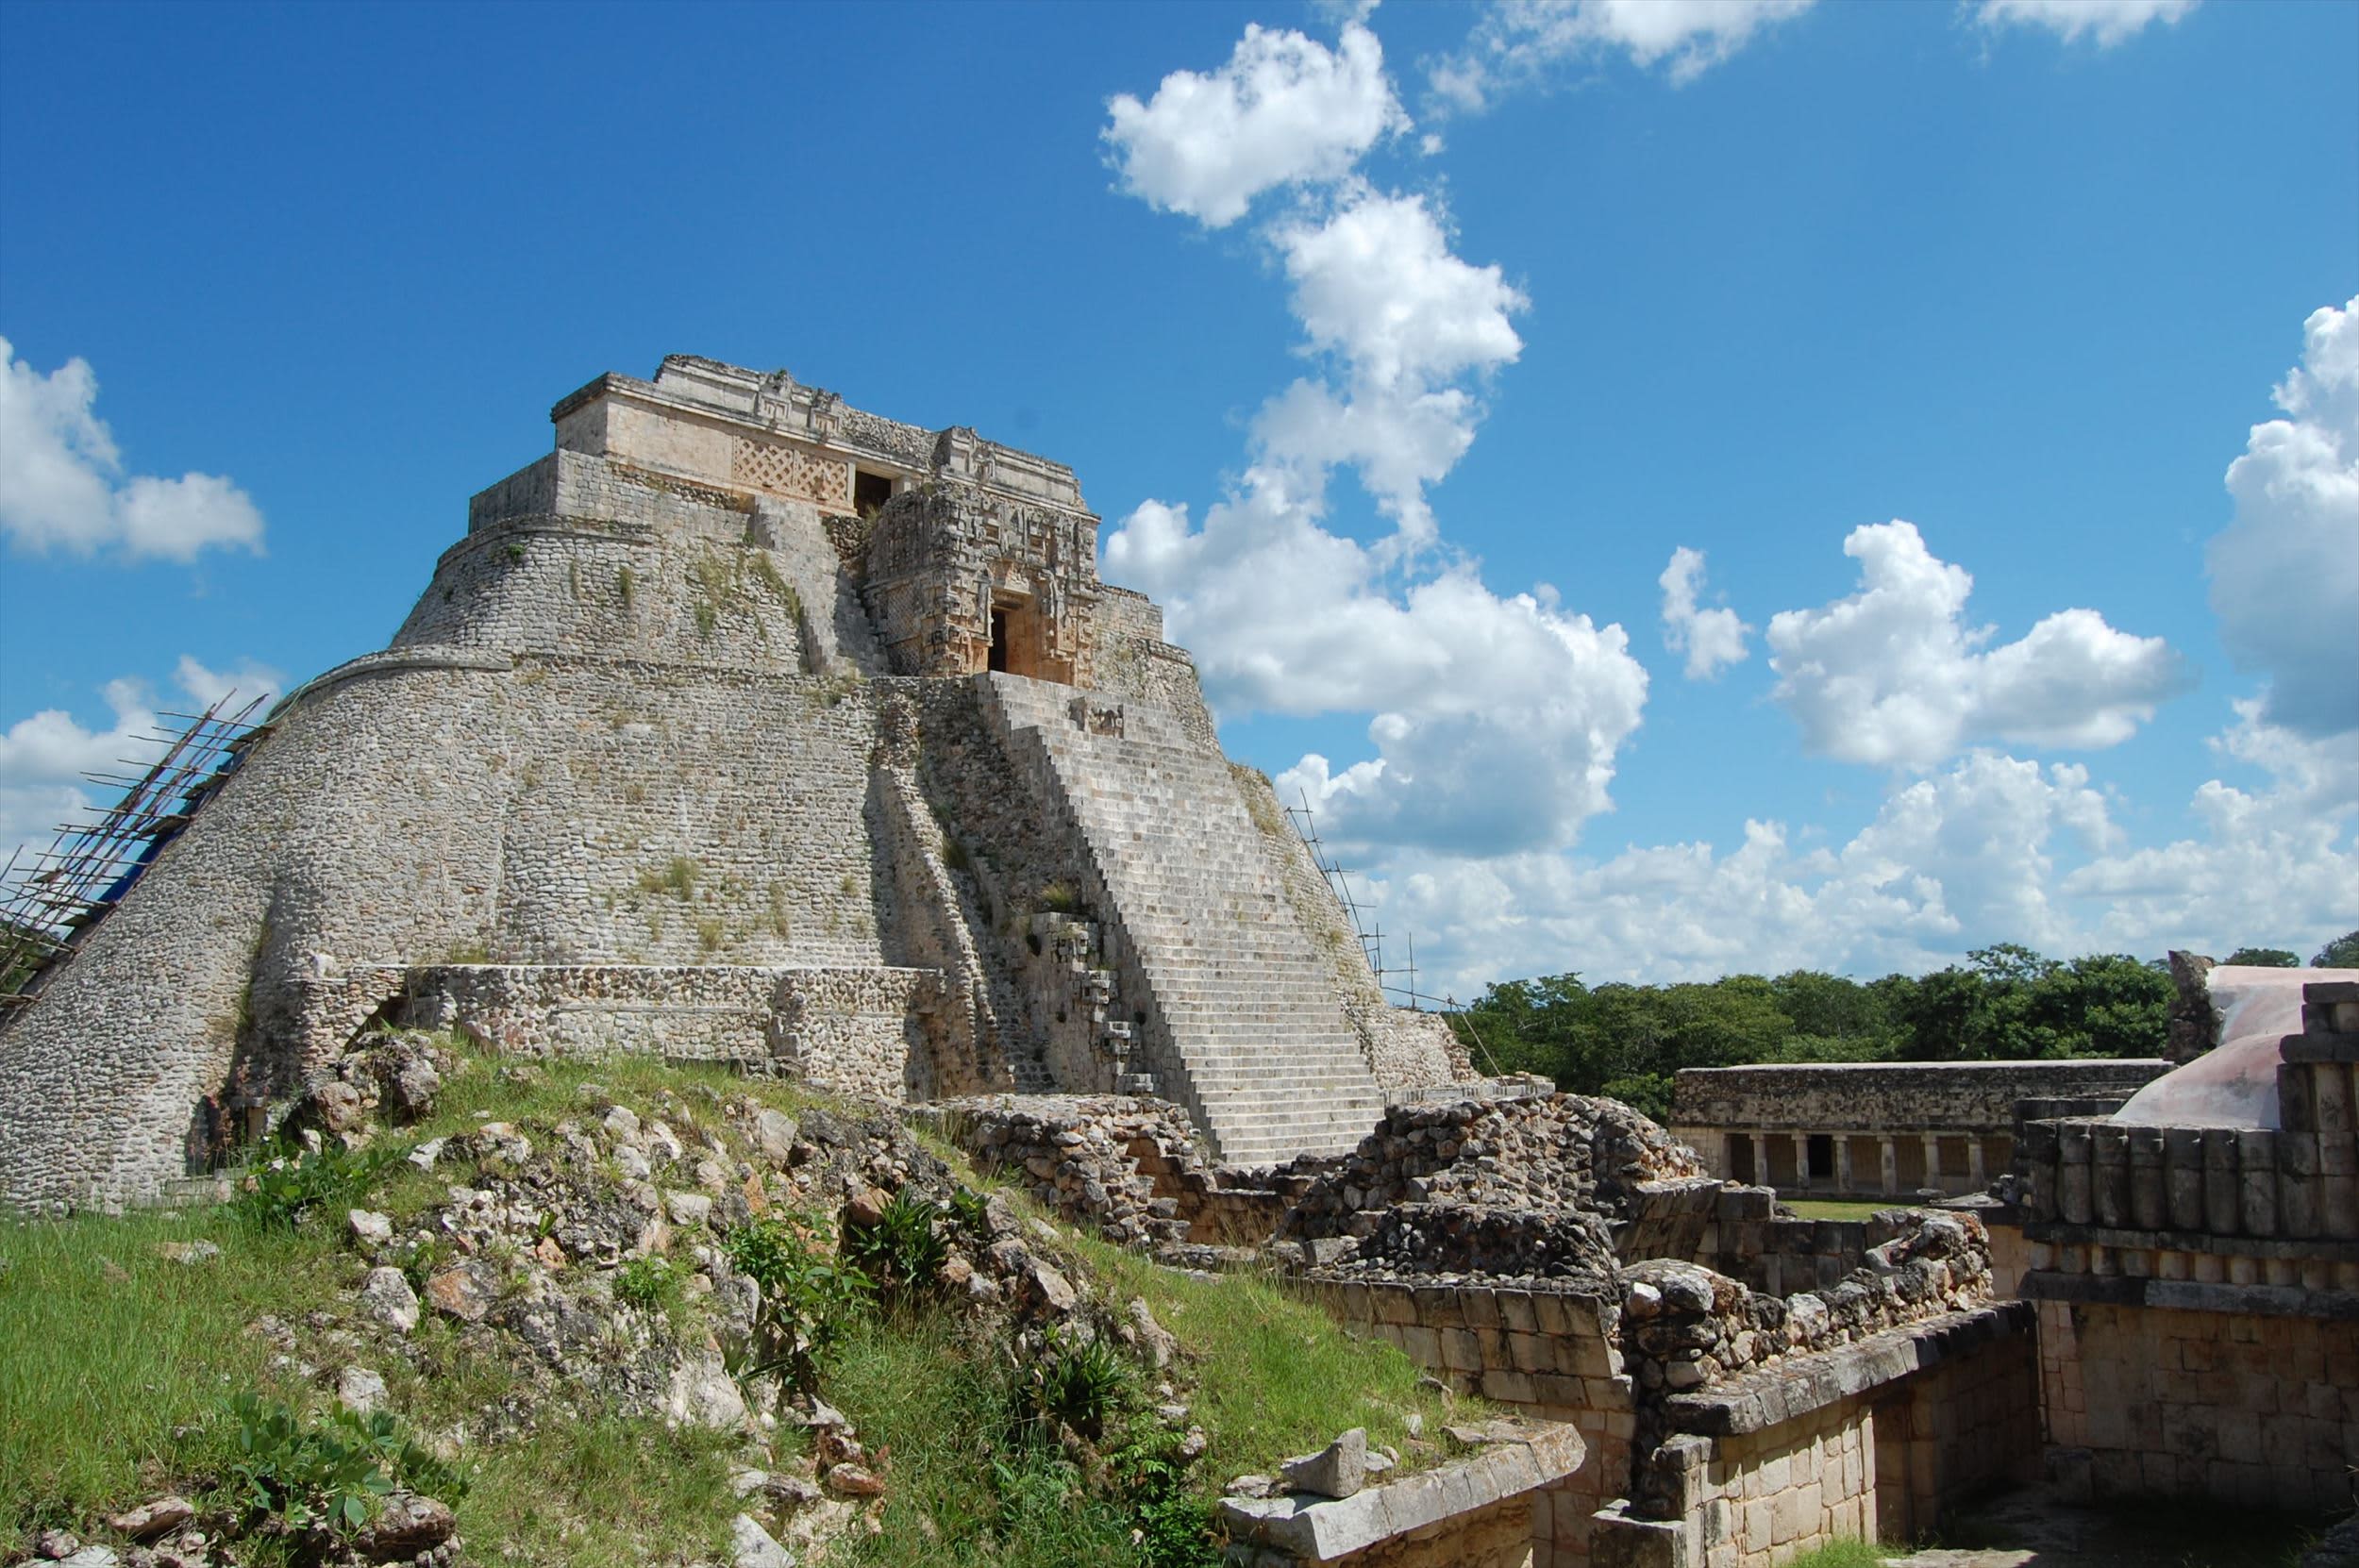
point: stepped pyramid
(743, 726)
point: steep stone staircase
(1242, 1024)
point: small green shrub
(808, 1298)
(331, 1469)
(626, 585)
(1084, 1385)
(706, 618)
(289, 1182)
(1060, 898)
(1174, 1520)
(904, 1251)
(648, 1282)
(516, 552)
(767, 574)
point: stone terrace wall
(1479, 1511)
(868, 1031)
(1878, 1438)
(2243, 1408)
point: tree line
(2005, 1003)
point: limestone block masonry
(743, 726)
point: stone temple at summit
(743, 727)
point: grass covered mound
(624, 1311)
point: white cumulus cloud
(1518, 42)
(1495, 718)
(2104, 21)
(62, 484)
(1285, 109)
(1709, 637)
(1948, 863)
(1892, 675)
(2276, 864)
(1403, 319)
(2285, 571)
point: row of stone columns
(1978, 1174)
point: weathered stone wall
(1880, 1440)
(864, 1031)
(2241, 1408)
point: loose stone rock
(1339, 1470)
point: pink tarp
(2234, 1084)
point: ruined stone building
(746, 726)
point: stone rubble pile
(1556, 1155)
(1421, 1238)
(586, 1253)
(1093, 1159)
(1685, 1326)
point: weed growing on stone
(647, 1282)
(809, 1298)
(903, 1252)
(676, 876)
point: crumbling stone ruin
(1737, 1384)
(744, 725)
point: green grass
(1273, 1376)
(119, 1362)
(605, 1490)
(1848, 1552)
(1836, 1209)
(962, 1485)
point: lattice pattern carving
(791, 471)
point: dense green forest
(2005, 1003)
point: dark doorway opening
(999, 640)
(1821, 1157)
(870, 492)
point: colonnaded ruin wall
(747, 726)
(1869, 1129)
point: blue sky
(1400, 350)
